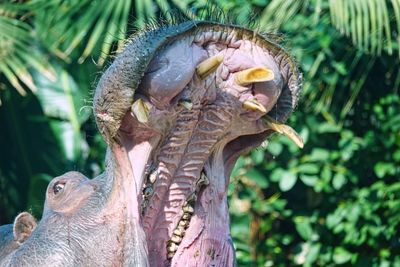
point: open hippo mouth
(177, 108)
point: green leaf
(328, 128)
(277, 174)
(319, 154)
(258, 156)
(341, 255)
(303, 227)
(275, 148)
(308, 168)
(287, 181)
(64, 102)
(238, 167)
(384, 168)
(313, 253)
(339, 180)
(309, 180)
(257, 177)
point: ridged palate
(168, 162)
(214, 120)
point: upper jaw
(115, 91)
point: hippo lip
(177, 122)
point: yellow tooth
(254, 75)
(140, 110)
(254, 105)
(186, 104)
(208, 66)
(285, 130)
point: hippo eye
(58, 187)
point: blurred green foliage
(336, 202)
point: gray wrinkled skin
(12, 236)
(162, 199)
(84, 224)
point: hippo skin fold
(176, 108)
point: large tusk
(140, 110)
(254, 75)
(285, 130)
(254, 105)
(209, 65)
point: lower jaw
(193, 221)
(177, 208)
(182, 213)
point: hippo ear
(24, 225)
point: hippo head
(177, 107)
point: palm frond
(277, 12)
(16, 53)
(64, 29)
(372, 25)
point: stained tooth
(254, 105)
(285, 130)
(188, 209)
(178, 232)
(183, 222)
(140, 110)
(170, 255)
(172, 247)
(181, 229)
(186, 104)
(203, 180)
(153, 177)
(176, 239)
(191, 199)
(254, 75)
(209, 65)
(186, 216)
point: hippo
(177, 107)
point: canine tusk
(285, 130)
(140, 110)
(254, 105)
(208, 66)
(254, 75)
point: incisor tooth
(178, 232)
(188, 209)
(186, 104)
(209, 65)
(185, 216)
(254, 105)
(181, 228)
(170, 255)
(153, 177)
(140, 110)
(176, 239)
(172, 247)
(254, 75)
(285, 130)
(183, 222)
